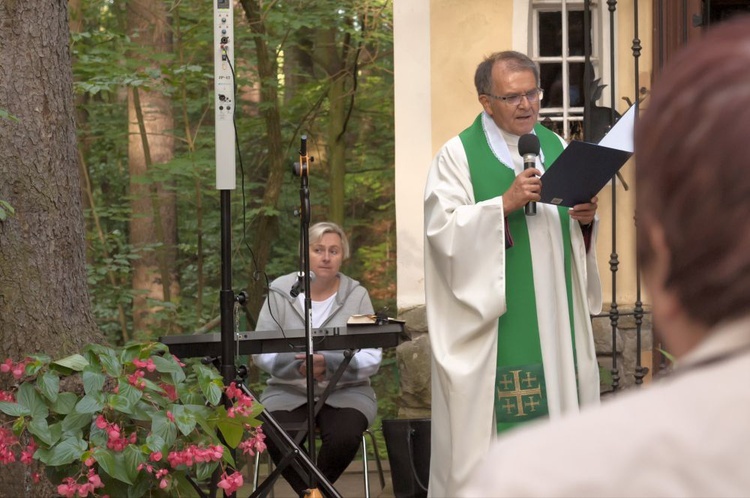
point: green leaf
(65, 403)
(227, 458)
(14, 409)
(67, 451)
(90, 403)
(151, 386)
(210, 383)
(203, 471)
(49, 386)
(162, 427)
(129, 391)
(154, 443)
(19, 425)
(93, 382)
(166, 364)
(76, 421)
(6, 115)
(142, 486)
(111, 365)
(28, 397)
(120, 403)
(47, 434)
(113, 464)
(74, 362)
(133, 457)
(232, 430)
(184, 419)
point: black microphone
(299, 285)
(528, 147)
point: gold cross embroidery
(519, 393)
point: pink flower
(66, 491)
(148, 364)
(27, 455)
(230, 483)
(232, 391)
(6, 366)
(17, 369)
(256, 444)
(101, 422)
(170, 390)
(94, 479)
(136, 380)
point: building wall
(438, 44)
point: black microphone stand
(302, 170)
(228, 343)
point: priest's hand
(584, 213)
(527, 187)
(319, 366)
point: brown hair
(693, 172)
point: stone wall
(413, 357)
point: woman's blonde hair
(321, 228)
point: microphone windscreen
(528, 144)
(312, 276)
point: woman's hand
(319, 366)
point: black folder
(580, 172)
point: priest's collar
(501, 142)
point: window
(557, 43)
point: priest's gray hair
(318, 230)
(513, 61)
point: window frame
(526, 13)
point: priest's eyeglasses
(533, 96)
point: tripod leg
(294, 456)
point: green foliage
(109, 417)
(5, 210)
(6, 115)
(106, 65)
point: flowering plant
(130, 422)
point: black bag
(408, 444)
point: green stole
(520, 389)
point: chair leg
(365, 466)
(256, 470)
(378, 463)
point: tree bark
(153, 218)
(44, 299)
(265, 226)
(338, 59)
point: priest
(509, 295)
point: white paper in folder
(583, 169)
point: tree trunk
(265, 226)
(336, 61)
(44, 300)
(153, 219)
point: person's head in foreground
(687, 435)
(693, 188)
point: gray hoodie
(287, 387)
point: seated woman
(351, 406)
